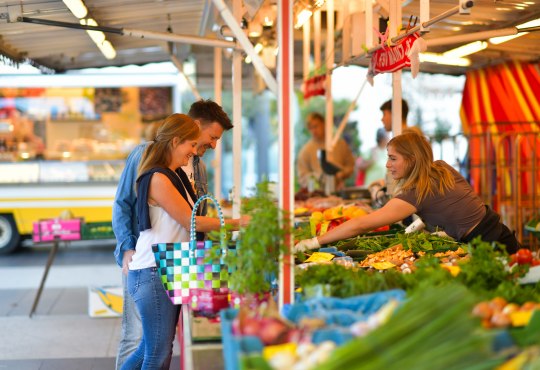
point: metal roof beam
(164, 36)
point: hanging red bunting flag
(314, 86)
(393, 58)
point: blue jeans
(158, 316)
(131, 327)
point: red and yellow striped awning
(504, 93)
(500, 113)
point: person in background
(213, 121)
(165, 199)
(386, 109)
(308, 163)
(375, 165)
(385, 184)
(433, 190)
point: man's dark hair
(387, 105)
(208, 111)
(316, 116)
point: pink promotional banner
(393, 58)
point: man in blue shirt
(213, 121)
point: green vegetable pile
(416, 242)
(346, 282)
(432, 330)
(484, 274)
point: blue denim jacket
(124, 213)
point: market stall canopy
(500, 113)
(59, 49)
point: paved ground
(60, 335)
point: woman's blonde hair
(421, 173)
(158, 151)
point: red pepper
(524, 256)
(333, 224)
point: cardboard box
(203, 328)
(105, 301)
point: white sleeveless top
(164, 230)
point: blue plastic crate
(340, 313)
(359, 306)
(236, 346)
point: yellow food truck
(34, 191)
(64, 140)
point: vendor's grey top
(456, 212)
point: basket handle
(192, 234)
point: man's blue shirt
(124, 213)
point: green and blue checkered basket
(186, 267)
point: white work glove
(417, 225)
(306, 244)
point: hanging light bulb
(302, 17)
(97, 36)
(255, 29)
(258, 48)
(107, 49)
(76, 7)
(99, 39)
(501, 39)
(442, 59)
(466, 49)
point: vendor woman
(433, 190)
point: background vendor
(308, 163)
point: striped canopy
(500, 114)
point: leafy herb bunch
(417, 242)
(259, 244)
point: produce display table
(196, 334)
(487, 301)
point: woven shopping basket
(187, 267)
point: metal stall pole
(503, 167)
(50, 260)
(329, 180)
(286, 142)
(218, 78)
(237, 118)
(518, 205)
(395, 21)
